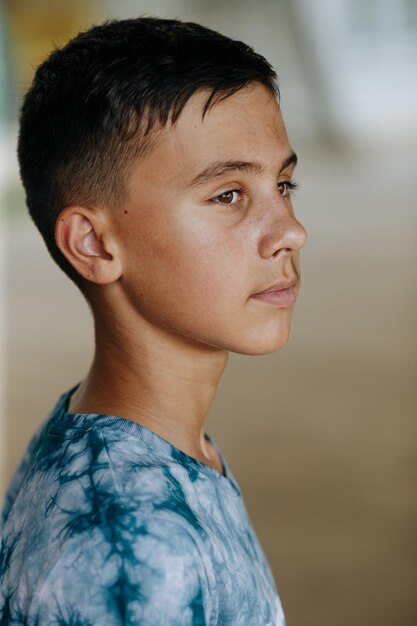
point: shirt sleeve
(156, 579)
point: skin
(170, 274)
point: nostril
(281, 251)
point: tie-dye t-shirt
(106, 523)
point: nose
(283, 234)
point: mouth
(282, 294)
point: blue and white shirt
(106, 523)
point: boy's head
(92, 106)
(115, 133)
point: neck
(165, 382)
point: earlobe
(80, 234)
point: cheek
(201, 273)
(183, 267)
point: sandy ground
(322, 435)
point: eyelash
(292, 185)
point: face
(196, 246)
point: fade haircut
(92, 105)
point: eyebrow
(218, 168)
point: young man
(158, 170)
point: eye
(286, 186)
(228, 197)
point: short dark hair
(92, 104)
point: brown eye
(284, 189)
(286, 186)
(227, 197)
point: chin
(266, 347)
(260, 343)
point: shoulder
(104, 539)
(152, 571)
(148, 571)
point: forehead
(246, 126)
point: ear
(84, 238)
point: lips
(284, 284)
(282, 294)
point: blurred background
(321, 435)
